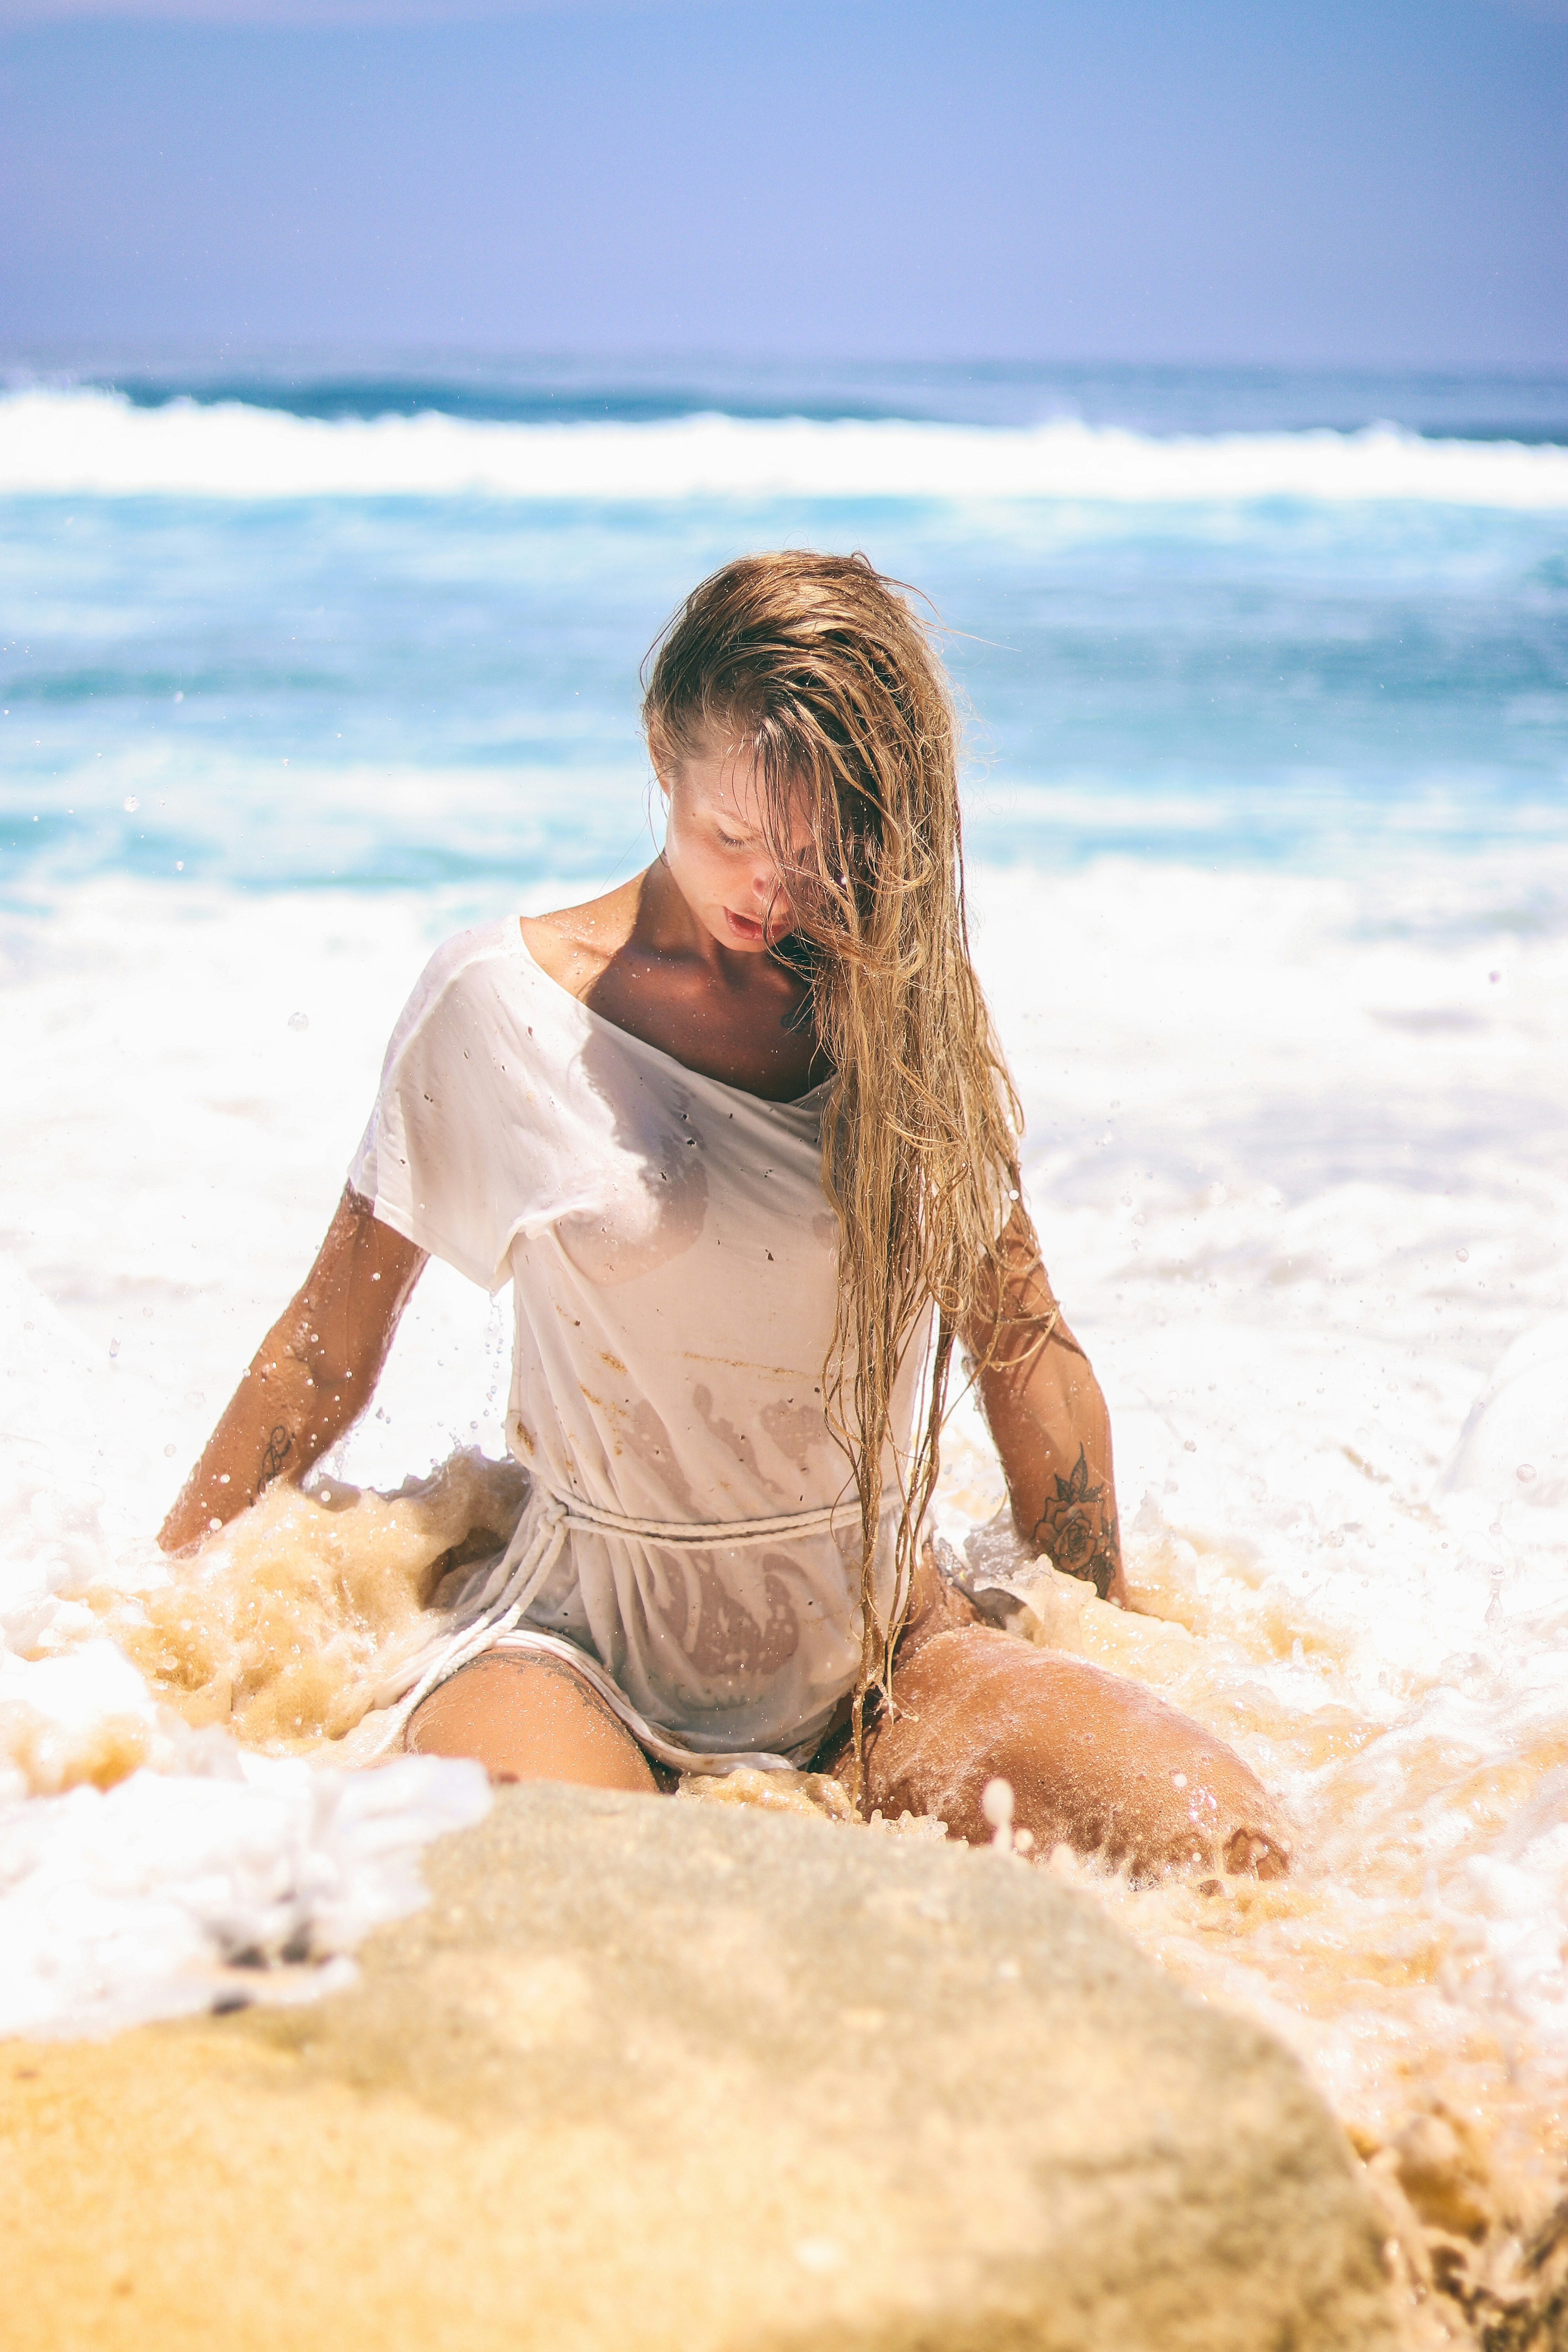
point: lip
(743, 926)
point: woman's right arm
(312, 1376)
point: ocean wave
(91, 443)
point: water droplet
(114, 1348)
(996, 1802)
(1190, 1446)
(1525, 1472)
(1494, 977)
(1463, 1257)
(299, 1021)
(818, 2253)
(131, 805)
(169, 1452)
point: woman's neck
(638, 959)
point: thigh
(528, 1718)
(1094, 1762)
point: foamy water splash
(1298, 1152)
(92, 442)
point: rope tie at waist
(688, 1535)
(520, 1581)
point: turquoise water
(405, 688)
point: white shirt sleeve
(459, 1155)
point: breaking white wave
(146, 1869)
(98, 442)
(221, 1878)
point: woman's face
(715, 850)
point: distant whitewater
(99, 442)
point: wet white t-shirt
(673, 1262)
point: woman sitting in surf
(740, 1138)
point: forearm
(291, 1406)
(1045, 1411)
(1052, 1431)
(311, 1378)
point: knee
(528, 1718)
(1093, 1762)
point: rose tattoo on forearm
(1077, 1529)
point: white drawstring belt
(515, 1584)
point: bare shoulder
(574, 945)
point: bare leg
(1095, 1761)
(528, 1718)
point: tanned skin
(679, 957)
(637, 958)
(1046, 1414)
(311, 1377)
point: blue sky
(1218, 180)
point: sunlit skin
(679, 956)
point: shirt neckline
(629, 1037)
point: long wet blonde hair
(820, 669)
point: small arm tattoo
(279, 1446)
(1077, 1529)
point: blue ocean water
(402, 688)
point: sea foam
(92, 441)
(1306, 1226)
(222, 1878)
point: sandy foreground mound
(659, 2075)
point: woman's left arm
(1045, 1409)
